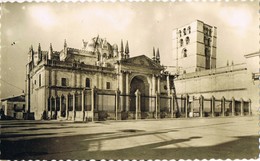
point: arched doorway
(140, 83)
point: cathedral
(61, 84)
(102, 81)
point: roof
(19, 98)
(143, 61)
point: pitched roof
(143, 61)
(19, 98)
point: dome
(115, 47)
(99, 44)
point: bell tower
(194, 47)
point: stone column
(53, 79)
(55, 106)
(249, 107)
(80, 81)
(73, 105)
(101, 81)
(74, 79)
(67, 106)
(213, 106)
(93, 102)
(157, 104)
(186, 105)
(137, 107)
(192, 106)
(83, 104)
(201, 105)
(127, 91)
(242, 107)
(233, 106)
(172, 104)
(60, 113)
(153, 102)
(121, 82)
(51, 107)
(47, 96)
(223, 106)
(159, 84)
(117, 103)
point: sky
(143, 24)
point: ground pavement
(193, 138)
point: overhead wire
(12, 85)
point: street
(193, 138)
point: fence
(93, 104)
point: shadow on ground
(77, 147)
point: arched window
(87, 83)
(210, 32)
(180, 33)
(187, 40)
(184, 53)
(184, 31)
(206, 31)
(209, 40)
(207, 58)
(181, 42)
(205, 40)
(189, 29)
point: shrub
(102, 115)
(124, 115)
(144, 115)
(163, 112)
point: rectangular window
(63, 82)
(40, 80)
(108, 85)
(35, 81)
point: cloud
(116, 18)
(237, 18)
(43, 16)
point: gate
(147, 109)
(207, 110)
(165, 107)
(105, 106)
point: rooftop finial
(50, 52)
(31, 48)
(127, 50)
(122, 49)
(39, 47)
(65, 43)
(154, 54)
(158, 56)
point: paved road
(196, 138)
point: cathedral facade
(75, 83)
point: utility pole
(178, 113)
